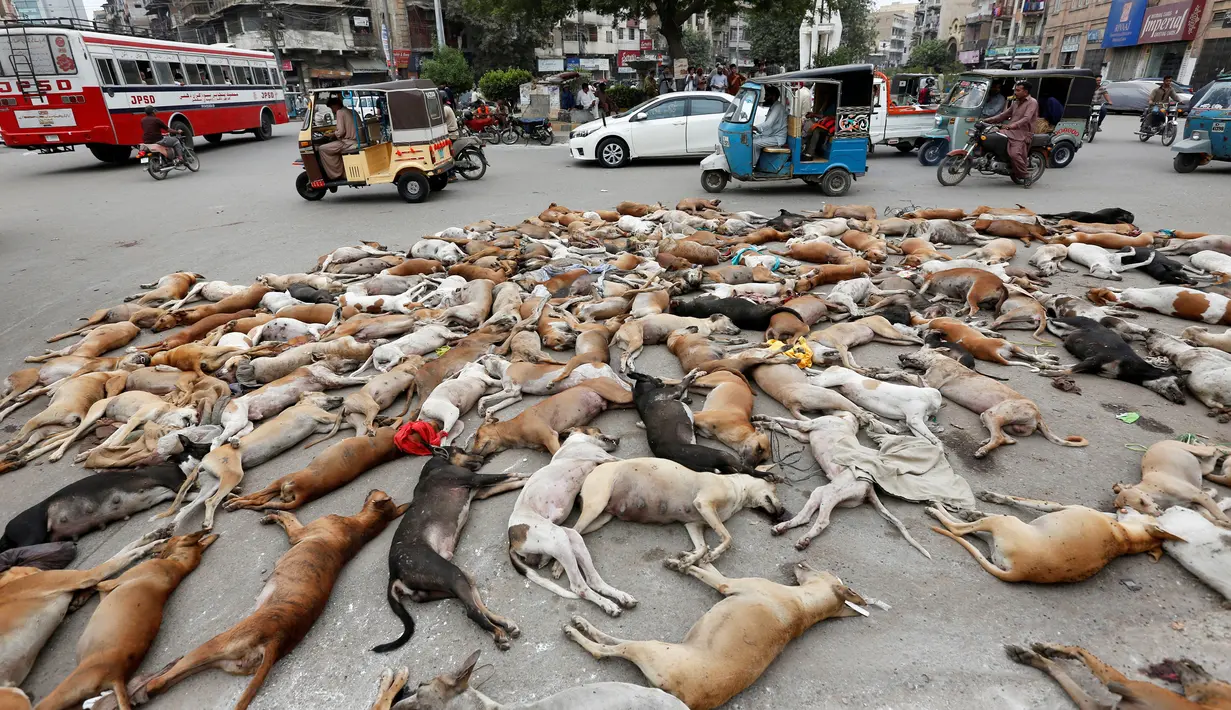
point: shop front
(1151, 41)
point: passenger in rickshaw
(344, 139)
(823, 123)
(1050, 113)
(771, 131)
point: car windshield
(967, 93)
(744, 107)
(1217, 96)
(634, 110)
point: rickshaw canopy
(413, 104)
(856, 80)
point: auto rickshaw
(402, 140)
(904, 88)
(1206, 136)
(969, 94)
(829, 111)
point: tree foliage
(858, 28)
(503, 83)
(448, 67)
(774, 32)
(503, 36)
(698, 48)
(932, 55)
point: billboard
(1171, 23)
(1124, 23)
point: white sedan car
(677, 124)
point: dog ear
(1117, 488)
(461, 678)
(1156, 531)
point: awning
(367, 65)
(329, 73)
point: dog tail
(1075, 441)
(524, 570)
(408, 623)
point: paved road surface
(77, 235)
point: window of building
(620, 33)
(593, 33)
(107, 75)
(609, 39)
(1055, 6)
(569, 33)
(1068, 59)
(1079, 4)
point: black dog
(1103, 352)
(1162, 267)
(90, 504)
(669, 429)
(420, 558)
(47, 555)
(748, 315)
(786, 221)
(1109, 215)
(307, 294)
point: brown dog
(593, 345)
(195, 331)
(290, 603)
(937, 213)
(844, 336)
(833, 273)
(982, 347)
(1171, 474)
(919, 251)
(245, 300)
(864, 212)
(727, 416)
(140, 316)
(974, 286)
(335, 467)
(171, 287)
(98, 341)
(795, 318)
(546, 423)
(818, 252)
(127, 620)
(872, 248)
(1107, 240)
(1012, 229)
(1020, 307)
(729, 647)
(636, 209)
(1097, 227)
(1068, 543)
(693, 204)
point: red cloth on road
(416, 438)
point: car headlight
(581, 133)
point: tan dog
(999, 406)
(1097, 227)
(818, 252)
(247, 299)
(98, 341)
(1068, 543)
(593, 346)
(195, 331)
(727, 416)
(796, 317)
(988, 349)
(699, 352)
(33, 603)
(864, 212)
(729, 647)
(140, 316)
(873, 249)
(171, 287)
(1201, 690)
(694, 204)
(871, 329)
(1011, 228)
(1021, 307)
(790, 387)
(635, 334)
(541, 426)
(833, 273)
(335, 467)
(1171, 474)
(360, 409)
(937, 213)
(659, 491)
(730, 274)
(197, 358)
(124, 626)
(1107, 240)
(997, 251)
(290, 603)
(69, 404)
(637, 209)
(415, 267)
(1202, 336)
(1001, 211)
(132, 408)
(919, 251)
(974, 286)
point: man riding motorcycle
(1021, 115)
(152, 137)
(1159, 98)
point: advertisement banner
(401, 58)
(595, 64)
(647, 45)
(971, 57)
(551, 65)
(1026, 50)
(998, 52)
(1171, 23)
(572, 63)
(622, 58)
(1094, 36)
(1124, 23)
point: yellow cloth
(800, 351)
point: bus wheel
(114, 154)
(266, 130)
(213, 137)
(181, 125)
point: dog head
(188, 548)
(760, 493)
(722, 325)
(178, 418)
(921, 359)
(1129, 496)
(607, 443)
(459, 457)
(320, 399)
(382, 505)
(439, 692)
(842, 598)
(1169, 387)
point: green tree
(858, 28)
(931, 55)
(448, 67)
(698, 48)
(503, 84)
(502, 37)
(774, 32)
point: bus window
(162, 73)
(106, 72)
(243, 75)
(147, 72)
(226, 75)
(192, 74)
(215, 74)
(132, 74)
(260, 76)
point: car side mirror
(642, 116)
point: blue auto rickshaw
(1206, 136)
(829, 111)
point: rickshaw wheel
(1186, 162)
(438, 182)
(905, 146)
(933, 151)
(836, 182)
(1168, 136)
(714, 181)
(413, 186)
(305, 189)
(1062, 155)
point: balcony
(1033, 7)
(195, 12)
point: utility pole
(267, 11)
(440, 25)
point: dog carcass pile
(468, 319)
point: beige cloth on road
(906, 467)
(344, 140)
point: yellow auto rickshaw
(401, 139)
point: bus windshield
(967, 93)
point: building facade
(47, 9)
(1015, 39)
(1074, 34)
(927, 21)
(598, 44)
(821, 31)
(894, 27)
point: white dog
(912, 405)
(446, 253)
(451, 399)
(421, 342)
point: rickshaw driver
(771, 131)
(344, 139)
(1022, 114)
(995, 100)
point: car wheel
(932, 151)
(413, 186)
(612, 153)
(1186, 162)
(303, 185)
(714, 180)
(1062, 154)
(836, 182)
(114, 154)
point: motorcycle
(468, 157)
(1166, 129)
(160, 167)
(486, 126)
(988, 152)
(529, 129)
(1092, 127)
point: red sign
(401, 58)
(1171, 23)
(623, 55)
(286, 65)
(647, 45)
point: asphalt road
(77, 235)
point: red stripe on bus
(190, 49)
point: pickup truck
(901, 126)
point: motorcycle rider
(1159, 98)
(168, 146)
(1102, 98)
(1021, 115)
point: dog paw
(802, 543)
(778, 529)
(1024, 656)
(624, 600)
(674, 563)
